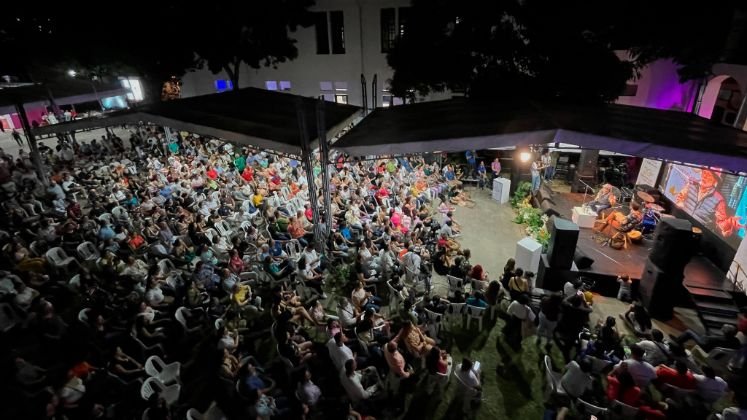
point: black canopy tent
(250, 116)
(461, 124)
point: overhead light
(525, 156)
(72, 73)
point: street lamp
(72, 73)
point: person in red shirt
(622, 387)
(212, 173)
(308, 212)
(680, 376)
(248, 174)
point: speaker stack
(557, 266)
(661, 281)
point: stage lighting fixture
(525, 156)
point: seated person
(621, 387)
(637, 316)
(477, 300)
(359, 385)
(577, 378)
(437, 305)
(680, 376)
(417, 343)
(728, 339)
(709, 386)
(603, 200)
(619, 222)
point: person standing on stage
(536, 179)
(546, 160)
(495, 168)
(709, 205)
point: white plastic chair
(167, 267)
(719, 359)
(182, 319)
(553, 379)
(120, 214)
(83, 316)
(455, 284)
(223, 229)
(87, 251)
(473, 312)
(434, 322)
(166, 373)
(455, 311)
(58, 258)
(106, 217)
(212, 413)
(169, 393)
(294, 249)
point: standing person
(520, 312)
(548, 319)
(471, 161)
(536, 177)
(495, 167)
(546, 160)
(17, 138)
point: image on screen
(715, 199)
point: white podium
(528, 254)
(501, 189)
(584, 217)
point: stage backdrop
(718, 201)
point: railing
(734, 275)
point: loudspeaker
(658, 290)
(551, 278)
(673, 244)
(563, 239)
(582, 260)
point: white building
(350, 39)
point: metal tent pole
(35, 157)
(324, 157)
(306, 158)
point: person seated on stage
(603, 200)
(620, 222)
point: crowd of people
(167, 272)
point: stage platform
(608, 262)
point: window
(386, 100)
(341, 99)
(322, 33)
(388, 29)
(404, 20)
(285, 85)
(271, 85)
(327, 97)
(341, 86)
(223, 85)
(337, 30)
(325, 85)
(630, 90)
(136, 89)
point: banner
(649, 172)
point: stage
(608, 262)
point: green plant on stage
(522, 193)
(533, 219)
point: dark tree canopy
(549, 48)
(154, 40)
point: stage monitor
(717, 200)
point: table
(584, 217)
(501, 190)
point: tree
(550, 48)
(160, 40)
(255, 33)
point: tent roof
(460, 124)
(250, 116)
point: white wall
(309, 68)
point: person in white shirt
(308, 392)
(338, 351)
(469, 376)
(359, 384)
(312, 258)
(576, 380)
(641, 371)
(412, 260)
(710, 387)
(657, 351)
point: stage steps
(715, 307)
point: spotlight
(525, 156)
(72, 73)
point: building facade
(350, 39)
